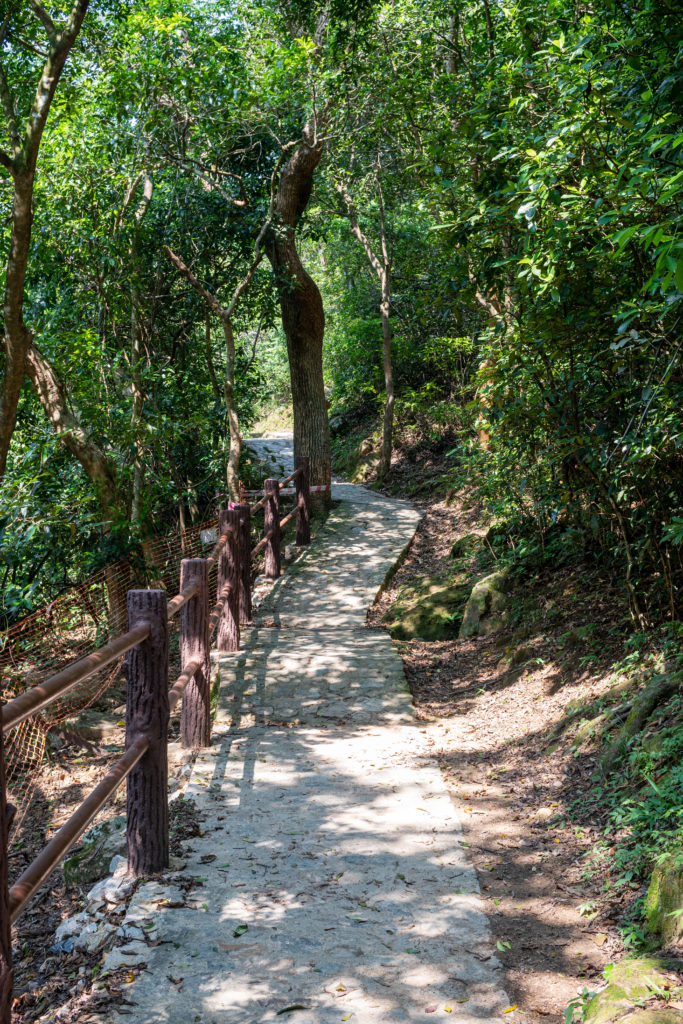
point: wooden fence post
(147, 715)
(228, 638)
(271, 512)
(195, 717)
(245, 561)
(303, 500)
(6, 969)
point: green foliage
(640, 797)
(528, 176)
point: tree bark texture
(303, 318)
(271, 511)
(21, 163)
(147, 714)
(229, 572)
(195, 717)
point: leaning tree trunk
(94, 461)
(303, 318)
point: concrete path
(329, 883)
(275, 452)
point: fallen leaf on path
(600, 939)
(240, 930)
(290, 1009)
(510, 1009)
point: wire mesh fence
(74, 625)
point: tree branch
(9, 110)
(68, 427)
(61, 44)
(208, 296)
(44, 18)
(351, 216)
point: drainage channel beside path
(329, 882)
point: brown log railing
(149, 700)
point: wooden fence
(149, 701)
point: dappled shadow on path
(334, 844)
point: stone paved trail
(334, 885)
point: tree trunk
(225, 316)
(137, 407)
(18, 338)
(382, 268)
(303, 318)
(235, 451)
(388, 425)
(73, 434)
(21, 162)
(91, 457)
(136, 352)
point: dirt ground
(512, 781)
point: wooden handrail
(283, 483)
(60, 844)
(217, 609)
(176, 603)
(38, 697)
(283, 522)
(292, 476)
(262, 543)
(149, 702)
(220, 544)
(178, 688)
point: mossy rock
(364, 467)
(100, 844)
(497, 533)
(664, 897)
(464, 547)
(669, 1015)
(486, 610)
(633, 981)
(430, 610)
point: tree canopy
(467, 211)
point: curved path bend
(329, 882)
